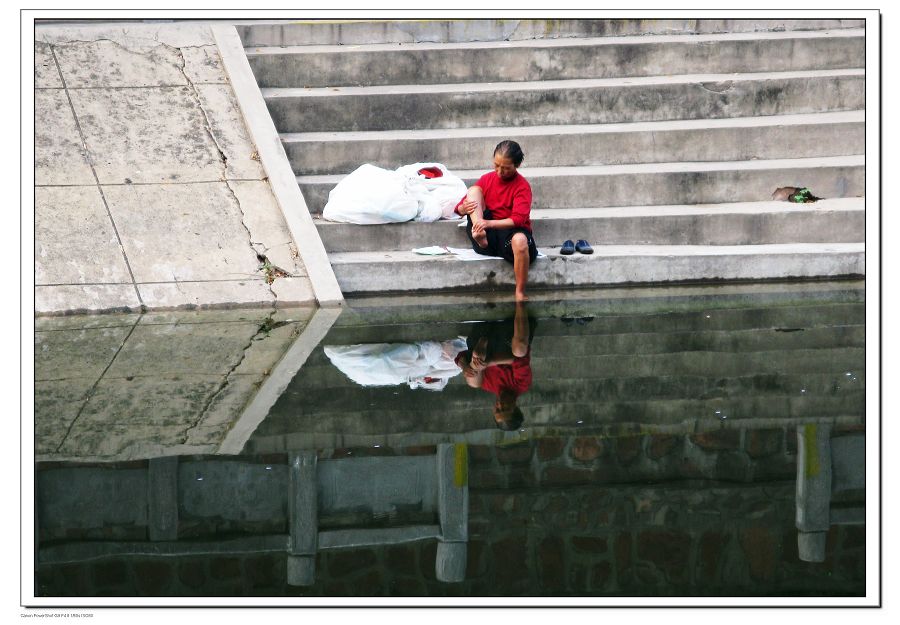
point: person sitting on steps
(498, 209)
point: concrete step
(554, 59)
(595, 322)
(347, 32)
(549, 102)
(839, 220)
(362, 272)
(652, 184)
(729, 139)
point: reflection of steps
(637, 134)
(632, 366)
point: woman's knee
(519, 243)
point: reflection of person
(498, 208)
(498, 360)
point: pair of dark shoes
(581, 246)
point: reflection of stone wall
(120, 387)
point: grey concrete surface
(730, 139)
(59, 157)
(583, 101)
(332, 32)
(839, 220)
(71, 224)
(557, 59)
(406, 271)
(146, 111)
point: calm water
(652, 445)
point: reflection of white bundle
(425, 364)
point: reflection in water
(623, 480)
(424, 364)
(831, 482)
(498, 360)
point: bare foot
(480, 239)
(521, 297)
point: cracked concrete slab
(158, 115)
(136, 37)
(85, 299)
(75, 240)
(150, 135)
(227, 127)
(269, 233)
(293, 290)
(203, 65)
(198, 294)
(84, 322)
(182, 232)
(59, 157)
(256, 316)
(45, 72)
(108, 64)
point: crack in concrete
(208, 124)
(224, 159)
(259, 255)
(263, 330)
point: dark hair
(516, 417)
(511, 150)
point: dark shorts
(499, 335)
(499, 242)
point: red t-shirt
(515, 376)
(506, 199)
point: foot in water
(521, 297)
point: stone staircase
(659, 141)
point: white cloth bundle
(372, 195)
